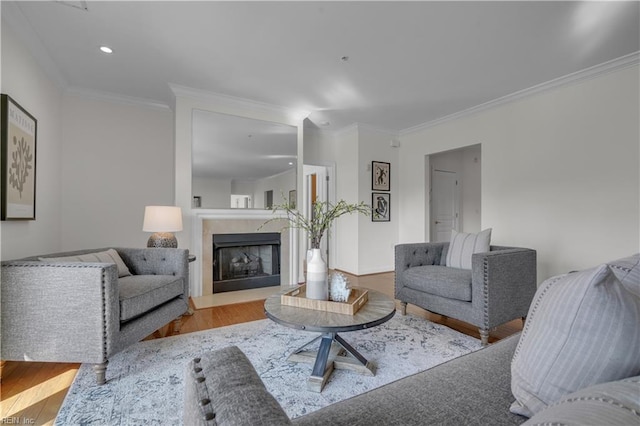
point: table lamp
(162, 221)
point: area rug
(145, 382)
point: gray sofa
(69, 307)
(498, 288)
(596, 370)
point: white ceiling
(408, 63)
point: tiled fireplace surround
(209, 222)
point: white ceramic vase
(317, 285)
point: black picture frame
(18, 142)
(380, 176)
(381, 207)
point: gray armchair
(73, 311)
(499, 287)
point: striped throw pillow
(610, 403)
(582, 329)
(462, 246)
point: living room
(560, 156)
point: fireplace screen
(243, 261)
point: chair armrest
(59, 311)
(503, 283)
(157, 261)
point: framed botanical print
(18, 168)
(380, 176)
(380, 207)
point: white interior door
(444, 205)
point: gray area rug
(145, 382)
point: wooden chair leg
(101, 372)
(403, 308)
(484, 336)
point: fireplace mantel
(238, 220)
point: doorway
(454, 193)
(318, 187)
(444, 204)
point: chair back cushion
(108, 256)
(463, 246)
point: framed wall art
(18, 168)
(380, 207)
(380, 176)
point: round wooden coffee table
(334, 351)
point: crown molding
(13, 17)
(588, 73)
(236, 102)
(115, 98)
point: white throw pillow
(582, 329)
(610, 403)
(109, 256)
(463, 246)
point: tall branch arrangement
(322, 216)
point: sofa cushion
(109, 256)
(582, 329)
(610, 403)
(443, 281)
(469, 390)
(141, 293)
(463, 246)
(223, 388)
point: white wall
(472, 189)
(280, 184)
(214, 193)
(362, 246)
(376, 239)
(346, 229)
(27, 84)
(560, 172)
(116, 160)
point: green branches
(322, 216)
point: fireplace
(244, 261)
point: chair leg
(484, 336)
(403, 308)
(101, 372)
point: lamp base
(162, 240)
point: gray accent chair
(83, 312)
(499, 287)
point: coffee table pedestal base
(334, 353)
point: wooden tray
(297, 297)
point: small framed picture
(18, 168)
(380, 207)
(380, 176)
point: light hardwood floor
(35, 390)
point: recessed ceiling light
(291, 163)
(325, 123)
(106, 49)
